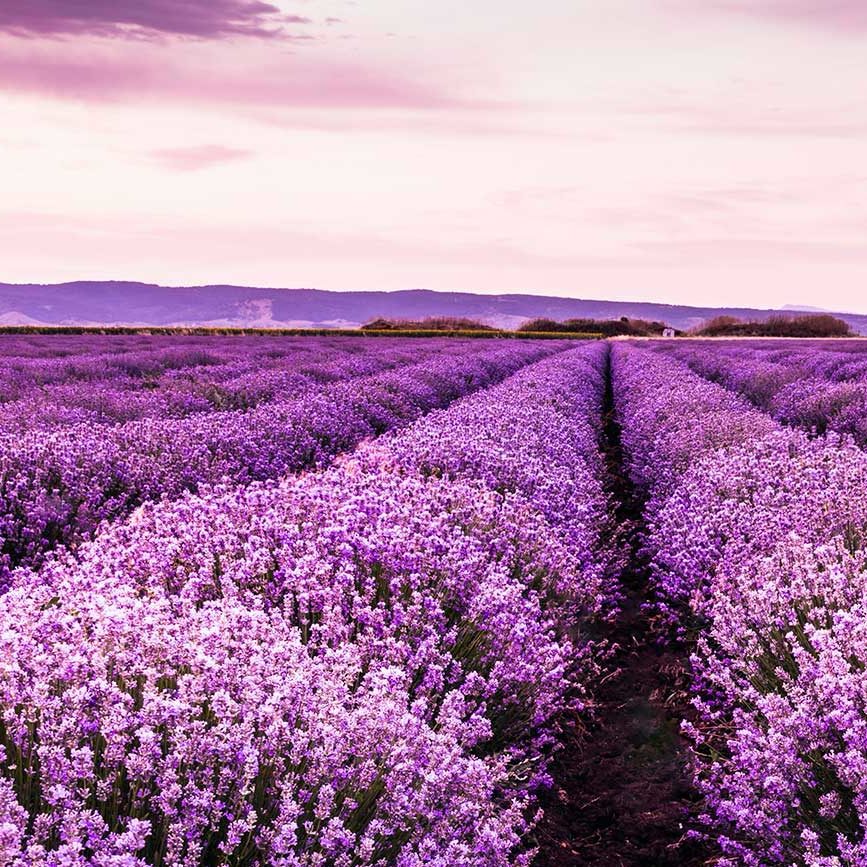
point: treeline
(623, 327)
(807, 325)
(430, 323)
(463, 327)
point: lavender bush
(757, 539)
(173, 381)
(356, 666)
(58, 484)
(268, 607)
(806, 384)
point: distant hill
(802, 308)
(125, 303)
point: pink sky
(689, 151)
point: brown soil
(622, 794)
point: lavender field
(344, 601)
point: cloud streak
(753, 251)
(843, 15)
(206, 19)
(191, 159)
(152, 74)
(720, 116)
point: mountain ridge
(115, 302)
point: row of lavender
(356, 666)
(117, 384)
(126, 361)
(57, 485)
(757, 544)
(806, 384)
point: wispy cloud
(154, 74)
(206, 19)
(846, 16)
(725, 116)
(752, 251)
(190, 159)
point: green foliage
(801, 325)
(623, 327)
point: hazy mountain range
(124, 303)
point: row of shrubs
(541, 326)
(798, 325)
(623, 327)
(802, 325)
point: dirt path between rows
(622, 792)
